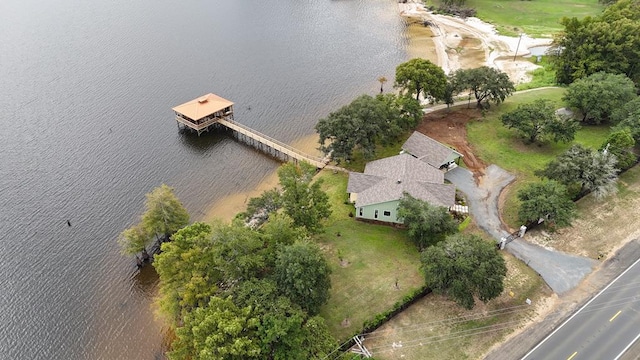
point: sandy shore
(467, 43)
(226, 208)
(453, 44)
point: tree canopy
(464, 266)
(608, 43)
(426, 224)
(628, 118)
(219, 330)
(421, 77)
(366, 122)
(538, 119)
(302, 274)
(546, 200)
(620, 144)
(599, 95)
(583, 170)
(303, 200)
(222, 286)
(487, 84)
(134, 240)
(164, 215)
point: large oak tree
(421, 77)
(608, 43)
(464, 267)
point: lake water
(86, 131)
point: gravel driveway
(561, 271)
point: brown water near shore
(226, 208)
(420, 40)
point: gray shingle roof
(387, 179)
(404, 167)
(390, 190)
(428, 149)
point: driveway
(561, 271)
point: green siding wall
(369, 212)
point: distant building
(430, 151)
(377, 192)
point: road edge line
(578, 311)
(627, 348)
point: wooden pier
(210, 111)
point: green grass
(495, 144)
(541, 77)
(536, 18)
(366, 261)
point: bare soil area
(436, 328)
(602, 226)
(466, 43)
(450, 127)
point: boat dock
(211, 111)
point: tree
(608, 43)
(420, 76)
(620, 143)
(285, 331)
(353, 126)
(426, 224)
(187, 271)
(366, 122)
(302, 274)
(452, 89)
(281, 230)
(220, 330)
(537, 119)
(547, 200)
(259, 208)
(598, 95)
(134, 240)
(628, 118)
(238, 254)
(583, 170)
(164, 213)
(463, 267)
(303, 200)
(487, 84)
(382, 80)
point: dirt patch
(601, 229)
(450, 127)
(437, 328)
(468, 43)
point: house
(377, 192)
(430, 151)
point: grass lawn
(601, 227)
(366, 260)
(541, 77)
(436, 328)
(537, 18)
(495, 144)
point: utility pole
(361, 349)
(517, 47)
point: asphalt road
(604, 328)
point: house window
(360, 212)
(387, 213)
(376, 214)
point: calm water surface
(86, 130)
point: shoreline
(464, 43)
(452, 44)
(226, 208)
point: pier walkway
(210, 110)
(271, 145)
